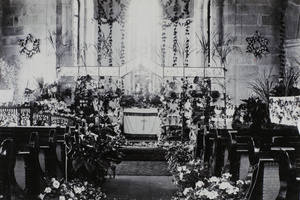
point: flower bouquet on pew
(74, 189)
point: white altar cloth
(141, 121)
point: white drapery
(141, 121)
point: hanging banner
(285, 110)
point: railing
(27, 116)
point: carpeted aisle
(143, 175)
(143, 168)
(139, 188)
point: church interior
(150, 99)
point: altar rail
(28, 116)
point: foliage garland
(10, 75)
(163, 41)
(122, 23)
(187, 34)
(282, 53)
(109, 17)
(110, 35)
(174, 20)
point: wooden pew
(38, 157)
(275, 176)
(15, 188)
(9, 189)
(219, 151)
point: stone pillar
(201, 29)
(217, 7)
(90, 33)
(67, 30)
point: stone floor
(139, 188)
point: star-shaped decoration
(257, 45)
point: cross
(144, 120)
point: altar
(141, 121)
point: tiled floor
(139, 188)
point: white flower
(187, 190)
(77, 190)
(72, 194)
(192, 162)
(179, 169)
(47, 190)
(226, 176)
(232, 190)
(41, 196)
(208, 194)
(187, 171)
(212, 195)
(56, 184)
(62, 198)
(213, 179)
(199, 184)
(224, 185)
(183, 168)
(180, 175)
(240, 182)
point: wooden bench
(275, 175)
(37, 158)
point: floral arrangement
(94, 153)
(216, 188)
(252, 112)
(182, 100)
(189, 173)
(54, 107)
(74, 189)
(179, 154)
(194, 180)
(85, 93)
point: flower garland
(23, 46)
(163, 46)
(262, 45)
(174, 20)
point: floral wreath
(23, 46)
(259, 49)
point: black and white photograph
(150, 99)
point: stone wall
(18, 19)
(241, 19)
(237, 19)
